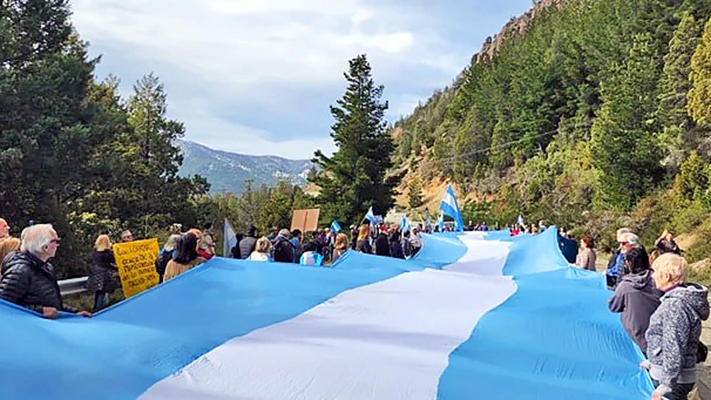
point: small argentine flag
(230, 239)
(370, 216)
(440, 222)
(335, 227)
(519, 221)
(449, 207)
(404, 225)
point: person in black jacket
(28, 280)
(283, 252)
(396, 246)
(248, 244)
(382, 244)
(103, 274)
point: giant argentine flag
(472, 316)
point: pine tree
(700, 94)
(675, 82)
(355, 177)
(622, 142)
(675, 86)
(414, 194)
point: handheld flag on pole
(519, 220)
(230, 239)
(404, 225)
(449, 207)
(440, 222)
(370, 216)
(335, 227)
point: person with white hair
(28, 278)
(673, 346)
(616, 263)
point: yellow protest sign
(136, 265)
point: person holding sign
(186, 256)
(28, 278)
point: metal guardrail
(73, 286)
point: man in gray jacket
(674, 329)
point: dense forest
(593, 114)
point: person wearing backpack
(283, 251)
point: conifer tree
(355, 177)
(675, 85)
(414, 194)
(700, 94)
(622, 142)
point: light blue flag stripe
(553, 339)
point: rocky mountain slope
(227, 171)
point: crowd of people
(660, 310)
(324, 247)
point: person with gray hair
(616, 263)
(28, 279)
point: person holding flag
(335, 227)
(449, 207)
(370, 216)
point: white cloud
(233, 137)
(270, 54)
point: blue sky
(258, 77)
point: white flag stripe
(482, 257)
(388, 340)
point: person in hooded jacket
(675, 329)
(636, 297)
(248, 244)
(283, 251)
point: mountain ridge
(227, 171)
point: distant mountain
(228, 171)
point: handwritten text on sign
(136, 265)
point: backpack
(702, 353)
